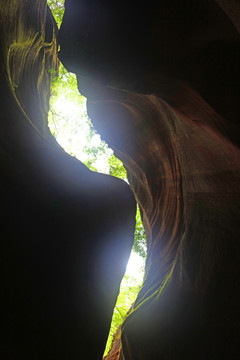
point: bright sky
(72, 130)
(135, 266)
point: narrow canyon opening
(70, 125)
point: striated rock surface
(162, 81)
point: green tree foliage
(57, 8)
(116, 168)
(69, 123)
(139, 245)
(130, 287)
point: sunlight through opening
(73, 130)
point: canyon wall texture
(162, 82)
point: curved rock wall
(174, 122)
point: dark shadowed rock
(66, 232)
